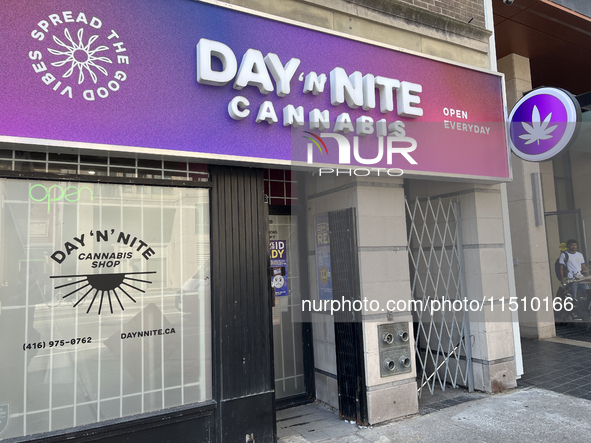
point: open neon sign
(70, 194)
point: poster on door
(323, 257)
(279, 268)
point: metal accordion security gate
(441, 324)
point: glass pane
(287, 312)
(559, 229)
(568, 225)
(62, 158)
(93, 159)
(106, 300)
(561, 166)
(564, 194)
(119, 167)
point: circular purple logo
(543, 123)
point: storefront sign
(214, 82)
(544, 123)
(323, 272)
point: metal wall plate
(394, 345)
(395, 361)
(393, 335)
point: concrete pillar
(486, 277)
(384, 275)
(530, 251)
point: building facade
(189, 186)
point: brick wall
(442, 31)
(462, 10)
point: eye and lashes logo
(316, 142)
(108, 287)
(76, 54)
(351, 147)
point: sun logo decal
(75, 55)
(105, 284)
(80, 56)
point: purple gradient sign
(215, 83)
(543, 123)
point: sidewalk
(524, 415)
(552, 404)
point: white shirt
(574, 262)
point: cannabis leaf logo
(538, 130)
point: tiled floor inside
(574, 331)
(559, 367)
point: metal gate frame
(442, 339)
(348, 327)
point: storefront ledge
(387, 317)
(393, 403)
(463, 192)
(32, 175)
(494, 376)
(355, 184)
(410, 379)
(109, 430)
(537, 331)
(415, 15)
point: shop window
(63, 158)
(107, 166)
(563, 183)
(104, 304)
(62, 168)
(91, 159)
(280, 187)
